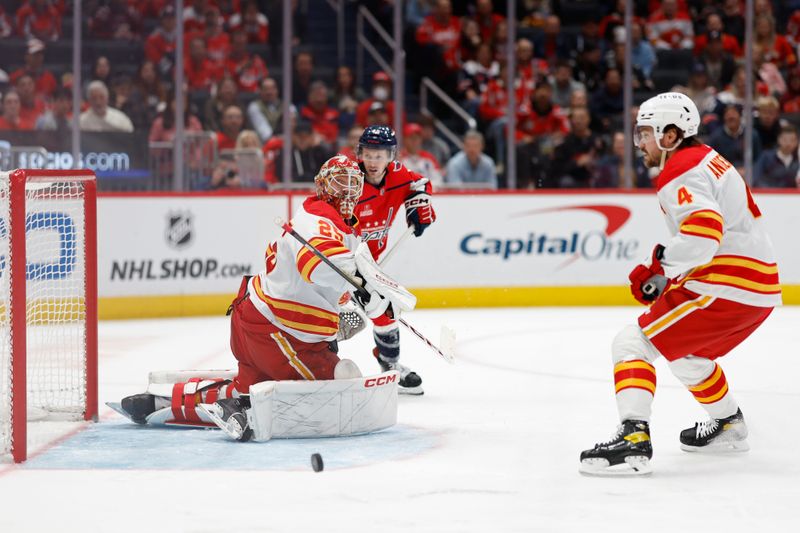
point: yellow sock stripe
(681, 311)
(711, 399)
(291, 355)
(629, 365)
(709, 382)
(636, 383)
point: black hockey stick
(364, 294)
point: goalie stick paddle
(447, 356)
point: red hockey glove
(419, 212)
(647, 280)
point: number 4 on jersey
(684, 197)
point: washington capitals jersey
(296, 291)
(379, 205)
(719, 246)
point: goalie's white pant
(633, 356)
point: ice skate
(717, 435)
(628, 452)
(230, 416)
(410, 382)
(139, 406)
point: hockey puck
(316, 462)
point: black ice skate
(717, 435)
(229, 415)
(410, 382)
(627, 453)
(139, 406)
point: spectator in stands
(201, 73)
(252, 23)
(101, 71)
(719, 64)
(160, 44)
(303, 76)
(486, 19)
(249, 160)
(101, 117)
(767, 121)
(225, 175)
(643, 57)
(563, 84)
(430, 142)
(530, 70)
(31, 104)
(469, 41)
(350, 144)
(6, 28)
(615, 59)
(10, 119)
(552, 44)
(115, 19)
(471, 165)
(378, 114)
(499, 42)
(346, 96)
(148, 92)
(702, 94)
(734, 93)
(779, 167)
(381, 92)
(246, 68)
(265, 113)
(533, 13)
(587, 67)
(163, 128)
(324, 119)
(39, 19)
(775, 48)
(606, 102)
(474, 78)
(729, 139)
(218, 42)
(575, 158)
(714, 24)
(733, 19)
(230, 127)
(615, 19)
(442, 29)
(790, 101)
(610, 169)
(59, 117)
(307, 155)
(671, 28)
(415, 158)
(541, 125)
(34, 58)
(194, 16)
(226, 95)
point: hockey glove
(373, 303)
(647, 279)
(419, 212)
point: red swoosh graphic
(616, 216)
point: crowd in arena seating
(568, 83)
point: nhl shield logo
(179, 229)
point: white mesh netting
(55, 300)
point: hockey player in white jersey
(708, 287)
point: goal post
(48, 300)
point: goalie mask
(666, 109)
(339, 182)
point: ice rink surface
(492, 445)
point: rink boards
(176, 255)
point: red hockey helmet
(339, 182)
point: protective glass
(642, 134)
(377, 156)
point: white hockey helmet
(339, 182)
(666, 109)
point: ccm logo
(377, 382)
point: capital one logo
(40, 228)
(572, 241)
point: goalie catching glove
(647, 279)
(382, 295)
(419, 211)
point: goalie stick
(446, 355)
(385, 259)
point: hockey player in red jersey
(387, 186)
(708, 287)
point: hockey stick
(447, 356)
(385, 259)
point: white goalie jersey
(719, 246)
(296, 291)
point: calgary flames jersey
(719, 246)
(295, 291)
(379, 205)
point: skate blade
(635, 465)
(411, 391)
(117, 406)
(736, 446)
(213, 413)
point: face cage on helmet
(342, 189)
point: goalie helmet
(339, 182)
(378, 137)
(667, 109)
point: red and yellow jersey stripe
(636, 374)
(307, 261)
(739, 272)
(298, 316)
(705, 223)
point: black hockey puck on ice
(316, 462)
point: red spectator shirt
(257, 32)
(158, 44)
(44, 24)
(203, 76)
(21, 125)
(675, 33)
(781, 54)
(448, 36)
(488, 25)
(494, 101)
(224, 142)
(45, 82)
(531, 123)
(28, 115)
(248, 72)
(379, 205)
(324, 122)
(729, 43)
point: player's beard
(651, 161)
